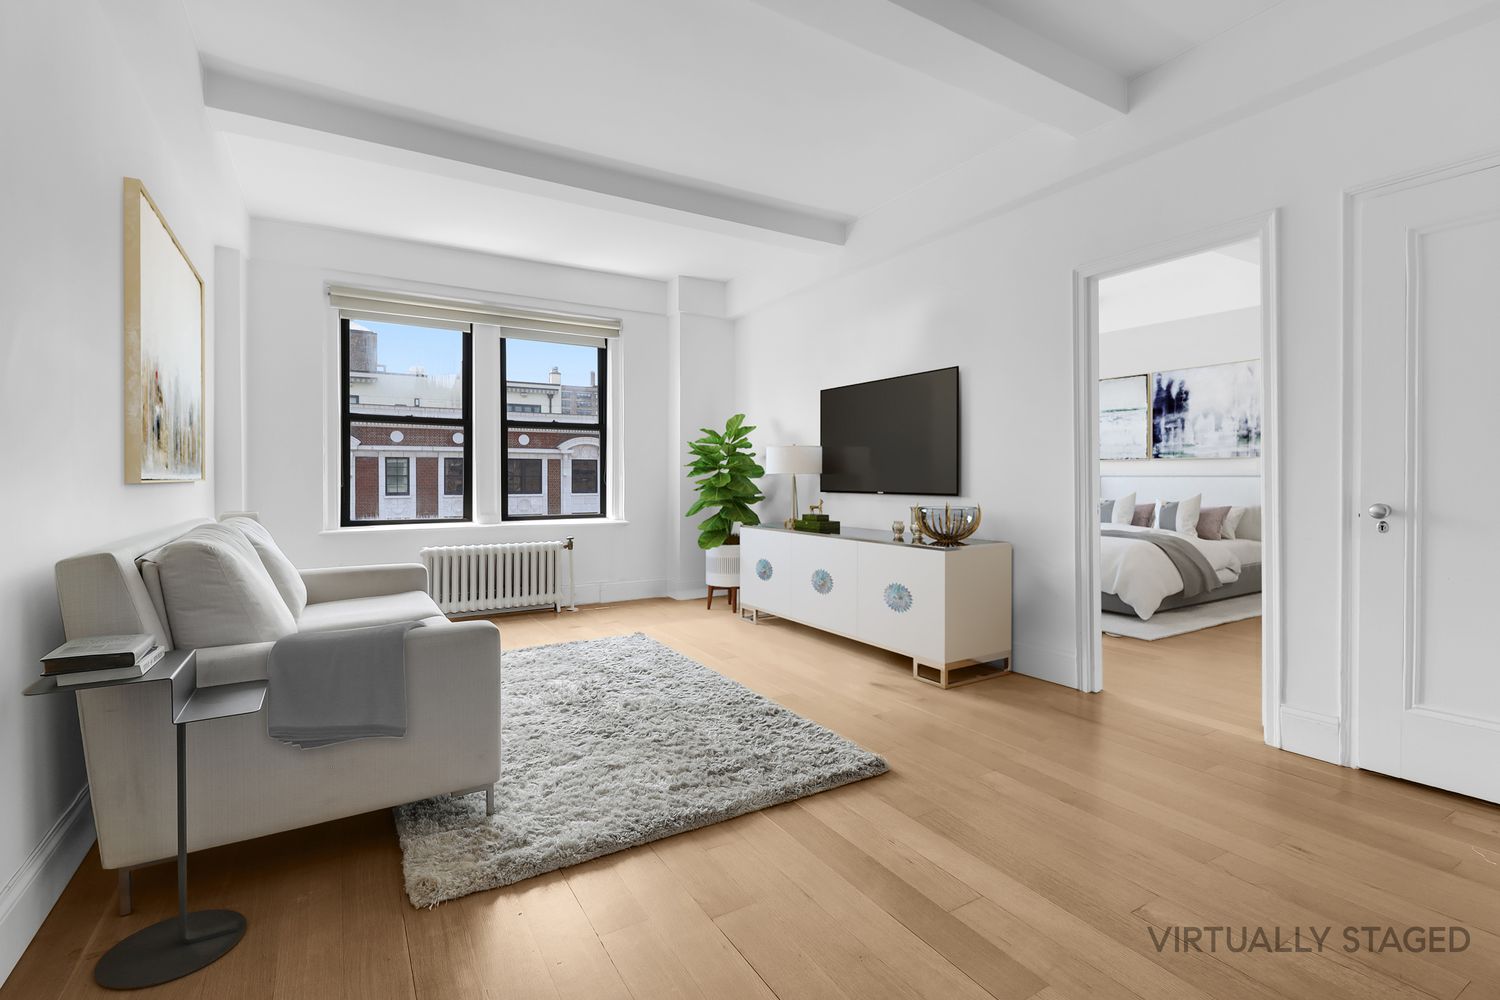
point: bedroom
(1178, 344)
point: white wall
(92, 93)
(291, 378)
(1212, 339)
(996, 298)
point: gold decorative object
(948, 525)
(898, 529)
(916, 524)
(815, 508)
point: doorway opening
(1177, 477)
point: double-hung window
(552, 425)
(461, 411)
(407, 411)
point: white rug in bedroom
(1164, 624)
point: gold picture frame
(165, 395)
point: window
(453, 477)
(553, 419)
(523, 476)
(397, 477)
(585, 475)
(406, 420)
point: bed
(1142, 572)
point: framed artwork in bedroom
(1208, 412)
(1124, 417)
(164, 323)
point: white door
(1428, 349)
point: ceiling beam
(974, 48)
(271, 109)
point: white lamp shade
(794, 459)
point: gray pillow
(1166, 518)
(217, 591)
(1106, 512)
(1143, 513)
(1211, 522)
(288, 581)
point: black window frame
(573, 476)
(463, 425)
(599, 426)
(463, 475)
(385, 480)
(541, 474)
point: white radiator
(472, 579)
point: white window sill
(499, 527)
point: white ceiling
(298, 184)
(732, 139)
(1216, 281)
(1130, 37)
(723, 92)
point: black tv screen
(896, 435)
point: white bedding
(1141, 575)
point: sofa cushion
(288, 581)
(217, 591)
(359, 612)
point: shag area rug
(611, 743)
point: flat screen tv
(895, 435)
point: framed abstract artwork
(1124, 417)
(164, 323)
(1209, 412)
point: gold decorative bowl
(948, 525)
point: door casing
(1086, 448)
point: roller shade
(361, 303)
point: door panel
(763, 570)
(900, 600)
(1428, 344)
(820, 582)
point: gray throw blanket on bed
(332, 687)
(1198, 576)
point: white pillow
(288, 581)
(1231, 522)
(1124, 509)
(1187, 515)
(217, 591)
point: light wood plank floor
(1026, 843)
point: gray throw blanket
(332, 687)
(1198, 576)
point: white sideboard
(946, 608)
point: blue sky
(440, 352)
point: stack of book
(101, 658)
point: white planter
(721, 566)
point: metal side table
(189, 941)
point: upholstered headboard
(102, 593)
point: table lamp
(794, 460)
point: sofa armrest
(232, 664)
(343, 583)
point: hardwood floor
(1028, 842)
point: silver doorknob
(1380, 511)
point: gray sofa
(242, 784)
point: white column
(700, 384)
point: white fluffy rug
(610, 743)
(1164, 624)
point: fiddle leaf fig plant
(723, 467)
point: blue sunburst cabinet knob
(822, 581)
(763, 569)
(898, 598)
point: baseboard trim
(1311, 734)
(35, 887)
